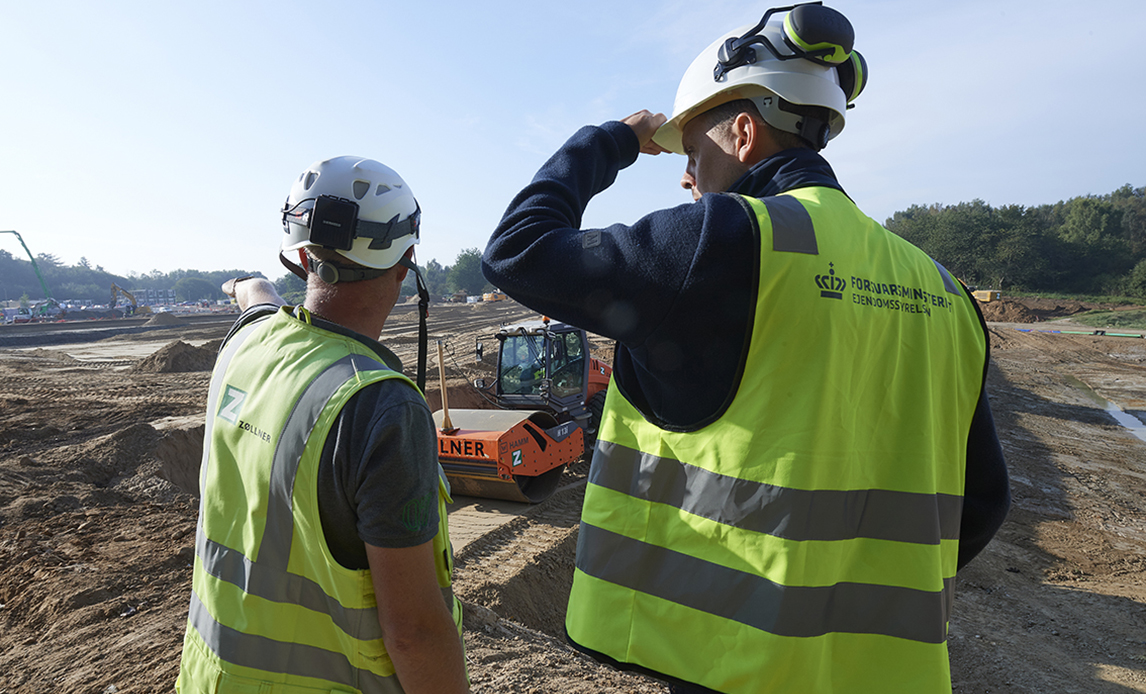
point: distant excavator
(118, 291)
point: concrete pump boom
(43, 284)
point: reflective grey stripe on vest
(276, 585)
(274, 551)
(792, 230)
(792, 514)
(949, 282)
(742, 597)
(262, 653)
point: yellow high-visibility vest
(806, 540)
(271, 609)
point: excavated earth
(99, 442)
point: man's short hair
(723, 115)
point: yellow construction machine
(118, 291)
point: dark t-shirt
(378, 477)
(378, 474)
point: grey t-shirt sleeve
(378, 477)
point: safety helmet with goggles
(795, 57)
(359, 208)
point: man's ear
(754, 141)
(747, 133)
(304, 260)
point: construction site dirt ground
(96, 535)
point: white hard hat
(803, 56)
(358, 207)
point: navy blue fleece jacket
(677, 291)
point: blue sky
(155, 136)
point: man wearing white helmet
(322, 559)
(799, 451)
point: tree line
(441, 280)
(86, 281)
(1094, 244)
(463, 276)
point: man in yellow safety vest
(797, 451)
(322, 558)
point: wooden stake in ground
(447, 426)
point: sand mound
(164, 319)
(178, 356)
(180, 452)
(1004, 311)
(49, 354)
(106, 459)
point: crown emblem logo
(831, 287)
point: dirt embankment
(179, 357)
(96, 535)
(1035, 310)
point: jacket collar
(784, 171)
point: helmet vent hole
(311, 177)
(361, 188)
(382, 188)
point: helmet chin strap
(333, 274)
(295, 268)
(423, 313)
(815, 132)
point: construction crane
(43, 284)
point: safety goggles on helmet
(811, 31)
(796, 65)
(333, 223)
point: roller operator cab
(546, 365)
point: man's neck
(362, 314)
(786, 170)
